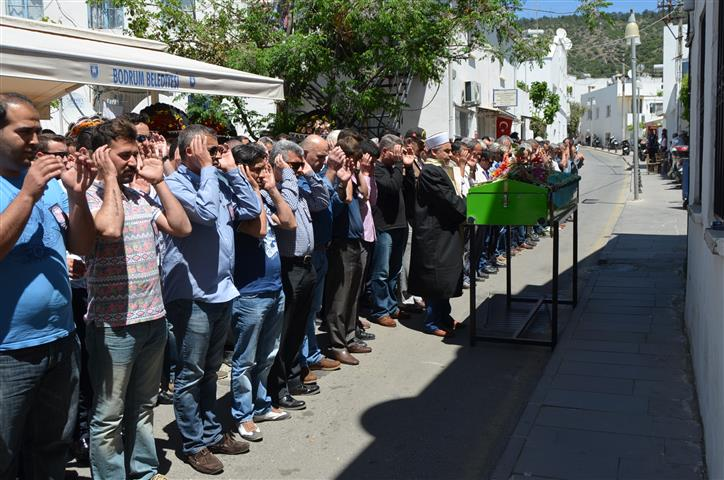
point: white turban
(435, 141)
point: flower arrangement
(314, 124)
(164, 118)
(533, 169)
(84, 123)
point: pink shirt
(368, 222)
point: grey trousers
(342, 289)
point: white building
(676, 64)
(608, 110)
(454, 105)
(462, 104)
(585, 85)
(705, 271)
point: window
(30, 9)
(719, 112)
(656, 108)
(104, 15)
(590, 114)
(608, 111)
(597, 112)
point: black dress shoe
(362, 335)
(305, 389)
(287, 402)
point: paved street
(419, 407)
(617, 399)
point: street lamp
(633, 37)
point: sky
(563, 7)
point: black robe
(436, 213)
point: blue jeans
(437, 314)
(310, 353)
(200, 330)
(170, 359)
(125, 368)
(257, 321)
(38, 402)
(385, 271)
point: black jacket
(436, 260)
(389, 211)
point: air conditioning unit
(471, 93)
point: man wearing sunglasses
(199, 288)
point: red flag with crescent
(502, 126)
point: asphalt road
(418, 407)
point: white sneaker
(272, 415)
(253, 433)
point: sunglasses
(57, 154)
(217, 150)
(142, 138)
(296, 165)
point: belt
(303, 260)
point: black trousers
(342, 289)
(298, 283)
(85, 396)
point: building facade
(705, 271)
(608, 110)
(676, 65)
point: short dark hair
(85, 138)
(457, 145)
(350, 146)
(44, 140)
(189, 133)
(11, 99)
(116, 129)
(368, 146)
(248, 154)
(135, 118)
(350, 132)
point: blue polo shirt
(321, 220)
(35, 295)
(258, 267)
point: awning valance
(496, 112)
(44, 61)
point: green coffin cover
(507, 202)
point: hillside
(593, 51)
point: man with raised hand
(38, 345)
(199, 289)
(126, 332)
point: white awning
(44, 61)
(496, 112)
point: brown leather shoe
(387, 321)
(205, 462)
(326, 364)
(228, 445)
(344, 357)
(400, 315)
(309, 377)
(357, 348)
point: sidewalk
(617, 400)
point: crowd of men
(129, 262)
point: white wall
(671, 93)
(705, 272)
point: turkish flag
(502, 126)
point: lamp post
(632, 35)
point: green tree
(545, 106)
(574, 119)
(341, 58)
(685, 97)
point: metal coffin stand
(554, 218)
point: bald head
(315, 151)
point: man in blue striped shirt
(298, 275)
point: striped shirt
(300, 242)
